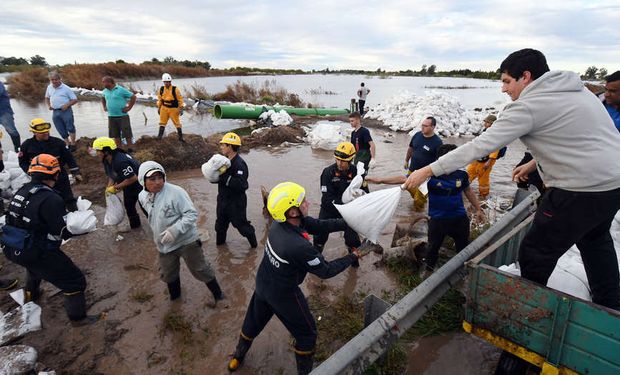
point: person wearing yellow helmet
(169, 106)
(39, 210)
(231, 198)
(42, 143)
(289, 256)
(335, 179)
(122, 172)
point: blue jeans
(63, 121)
(8, 122)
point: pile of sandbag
(326, 135)
(13, 177)
(214, 167)
(276, 118)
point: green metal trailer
(554, 331)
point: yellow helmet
(345, 151)
(102, 142)
(282, 197)
(231, 139)
(38, 125)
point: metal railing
(365, 348)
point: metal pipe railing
(362, 350)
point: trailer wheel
(510, 364)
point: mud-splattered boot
(243, 346)
(174, 288)
(180, 133)
(75, 305)
(252, 240)
(356, 263)
(214, 287)
(220, 238)
(161, 132)
(6, 284)
(134, 222)
(304, 362)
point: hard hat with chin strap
(166, 77)
(282, 197)
(231, 139)
(38, 125)
(345, 151)
(44, 163)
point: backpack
(170, 103)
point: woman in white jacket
(172, 217)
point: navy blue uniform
(424, 150)
(57, 148)
(447, 212)
(333, 183)
(289, 256)
(122, 167)
(43, 216)
(361, 139)
(232, 201)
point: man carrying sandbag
(232, 202)
(121, 170)
(172, 217)
(335, 179)
(289, 256)
(38, 211)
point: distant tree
(590, 73)
(14, 61)
(120, 61)
(379, 71)
(602, 73)
(169, 60)
(423, 70)
(38, 60)
(431, 70)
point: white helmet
(166, 77)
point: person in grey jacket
(575, 147)
(172, 218)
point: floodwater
(91, 120)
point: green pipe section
(227, 111)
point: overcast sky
(367, 34)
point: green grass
(141, 296)
(176, 323)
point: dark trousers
(130, 198)
(438, 229)
(228, 213)
(64, 188)
(291, 308)
(58, 269)
(362, 104)
(565, 218)
(351, 238)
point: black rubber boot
(31, 290)
(252, 240)
(16, 142)
(75, 306)
(160, 135)
(304, 363)
(174, 288)
(134, 222)
(242, 348)
(214, 287)
(220, 238)
(180, 133)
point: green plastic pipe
(229, 111)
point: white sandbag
(5, 175)
(354, 189)
(12, 157)
(369, 214)
(11, 164)
(14, 172)
(326, 135)
(115, 211)
(18, 322)
(83, 220)
(17, 359)
(5, 180)
(211, 169)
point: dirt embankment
(171, 154)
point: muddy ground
(146, 333)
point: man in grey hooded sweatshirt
(575, 147)
(172, 218)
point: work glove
(406, 165)
(363, 250)
(111, 190)
(222, 169)
(372, 164)
(181, 111)
(166, 237)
